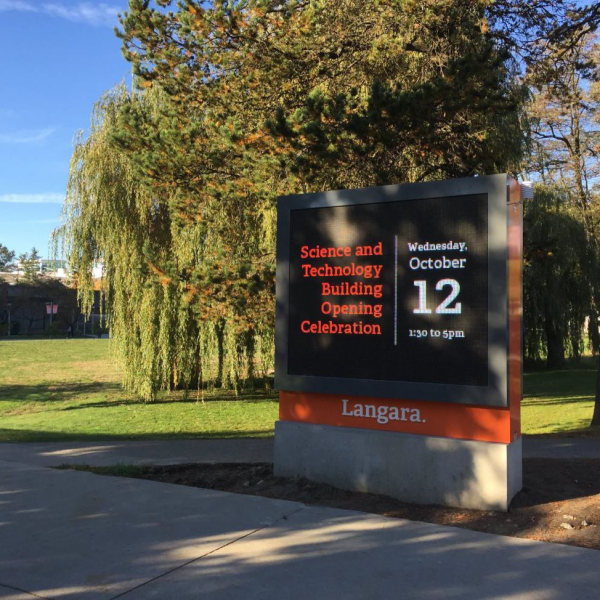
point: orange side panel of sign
(515, 306)
(425, 418)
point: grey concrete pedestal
(411, 468)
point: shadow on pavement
(78, 535)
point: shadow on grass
(173, 400)
(30, 436)
(65, 392)
(556, 401)
(586, 363)
(582, 429)
(54, 392)
(574, 384)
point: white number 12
(444, 308)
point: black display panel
(395, 291)
(391, 291)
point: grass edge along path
(69, 390)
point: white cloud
(19, 5)
(93, 14)
(48, 198)
(27, 136)
(85, 12)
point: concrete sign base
(412, 468)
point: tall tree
(340, 87)
(6, 258)
(30, 264)
(583, 20)
(565, 116)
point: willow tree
(557, 282)
(165, 332)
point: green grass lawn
(560, 402)
(70, 390)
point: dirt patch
(560, 500)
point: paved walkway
(163, 452)
(73, 535)
(561, 447)
(166, 452)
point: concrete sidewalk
(153, 452)
(170, 452)
(74, 535)
(561, 447)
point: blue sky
(58, 57)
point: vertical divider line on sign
(395, 290)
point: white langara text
(383, 414)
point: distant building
(54, 269)
(32, 307)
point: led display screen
(398, 291)
(390, 291)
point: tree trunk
(250, 343)
(556, 346)
(221, 352)
(575, 348)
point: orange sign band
(425, 418)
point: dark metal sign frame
(496, 392)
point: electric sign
(397, 291)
